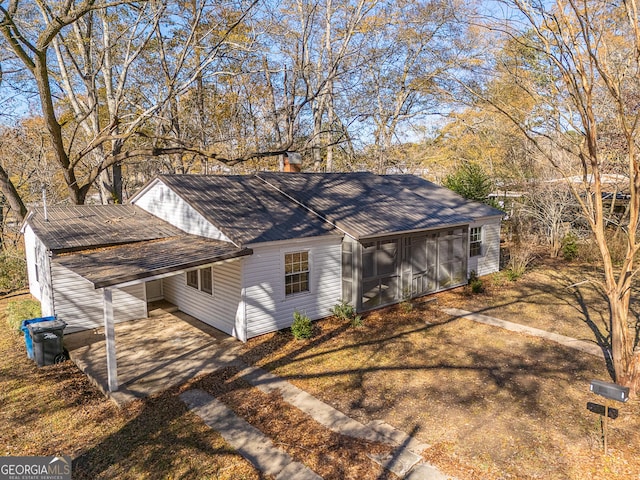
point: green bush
(19, 310)
(513, 275)
(475, 283)
(569, 247)
(345, 311)
(301, 327)
(357, 321)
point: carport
(154, 353)
(134, 263)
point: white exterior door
(154, 290)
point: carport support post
(110, 336)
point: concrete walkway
(405, 460)
(172, 347)
(250, 442)
(586, 347)
(402, 459)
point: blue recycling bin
(27, 336)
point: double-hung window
(475, 241)
(296, 272)
(201, 279)
(206, 280)
(192, 279)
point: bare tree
(95, 58)
(590, 75)
(408, 53)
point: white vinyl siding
(267, 306)
(489, 259)
(38, 271)
(164, 203)
(218, 310)
(81, 306)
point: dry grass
(55, 410)
(327, 453)
(555, 296)
(493, 404)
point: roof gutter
(415, 230)
(125, 280)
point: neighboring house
(242, 253)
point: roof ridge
(301, 204)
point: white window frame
(198, 285)
(190, 284)
(475, 245)
(203, 272)
(286, 275)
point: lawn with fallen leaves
(492, 404)
(54, 410)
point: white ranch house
(242, 253)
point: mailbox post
(609, 391)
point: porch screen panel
(419, 267)
(389, 289)
(387, 258)
(368, 260)
(432, 262)
(380, 273)
(451, 256)
(370, 293)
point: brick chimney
(292, 162)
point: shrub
(19, 310)
(475, 283)
(569, 246)
(301, 327)
(519, 260)
(406, 306)
(357, 321)
(345, 311)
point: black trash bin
(27, 337)
(48, 346)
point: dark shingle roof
(245, 209)
(77, 227)
(124, 263)
(443, 196)
(365, 205)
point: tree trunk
(41, 75)
(11, 194)
(626, 361)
